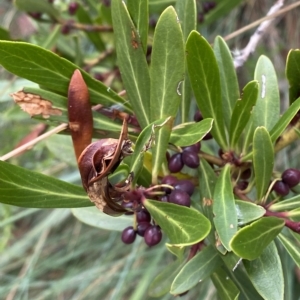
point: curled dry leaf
(35, 105)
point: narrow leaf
(26, 188)
(225, 219)
(202, 265)
(292, 247)
(251, 240)
(229, 83)
(205, 80)
(226, 288)
(184, 226)
(266, 111)
(266, 274)
(187, 134)
(263, 160)
(167, 65)
(292, 72)
(96, 218)
(242, 112)
(248, 212)
(138, 10)
(287, 204)
(51, 71)
(285, 120)
(132, 62)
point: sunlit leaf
(292, 247)
(248, 212)
(292, 72)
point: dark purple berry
(73, 6)
(291, 177)
(175, 163)
(180, 198)
(66, 28)
(164, 199)
(191, 159)
(246, 174)
(185, 185)
(242, 185)
(193, 148)
(198, 116)
(141, 228)
(208, 136)
(200, 17)
(143, 216)
(281, 188)
(35, 15)
(128, 235)
(170, 180)
(106, 3)
(152, 235)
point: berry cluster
(289, 179)
(189, 157)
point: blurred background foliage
(48, 254)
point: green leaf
(226, 288)
(285, 120)
(84, 18)
(292, 72)
(292, 247)
(229, 84)
(26, 188)
(205, 80)
(266, 274)
(167, 66)
(42, 6)
(263, 160)
(52, 38)
(248, 212)
(287, 204)
(138, 10)
(4, 34)
(51, 71)
(96, 218)
(184, 226)
(242, 112)
(202, 265)
(250, 241)
(178, 252)
(225, 219)
(266, 111)
(132, 62)
(162, 282)
(187, 134)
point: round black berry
(143, 216)
(185, 185)
(73, 6)
(193, 148)
(180, 198)
(128, 235)
(191, 159)
(141, 228)
(291, 177)
(208, 136)
(198, 116)
(175, 163)
(170, 180)
(281, 188)
(152, 235)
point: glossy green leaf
(184, 226)
(187, 134)
(226, 288)
(42, 6)
(167, 66)
(248, 212)
(229, 84)
(205, 80)
(287, 204)
(292, 72)
(187, 15)
(207, 180)
(285, 120)
(263, 160)
(138, 10)
(250, 241)
(242, 112)
(132, 62)
(225, 219)
(292, 247)
(202, 265)
(26, 188)
(84, 17)
(266, 274)
(51, 71)
(178, 252)
(266, 111)
(96, 218)
(162, 282)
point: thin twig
(240, 59)
(30, 144)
